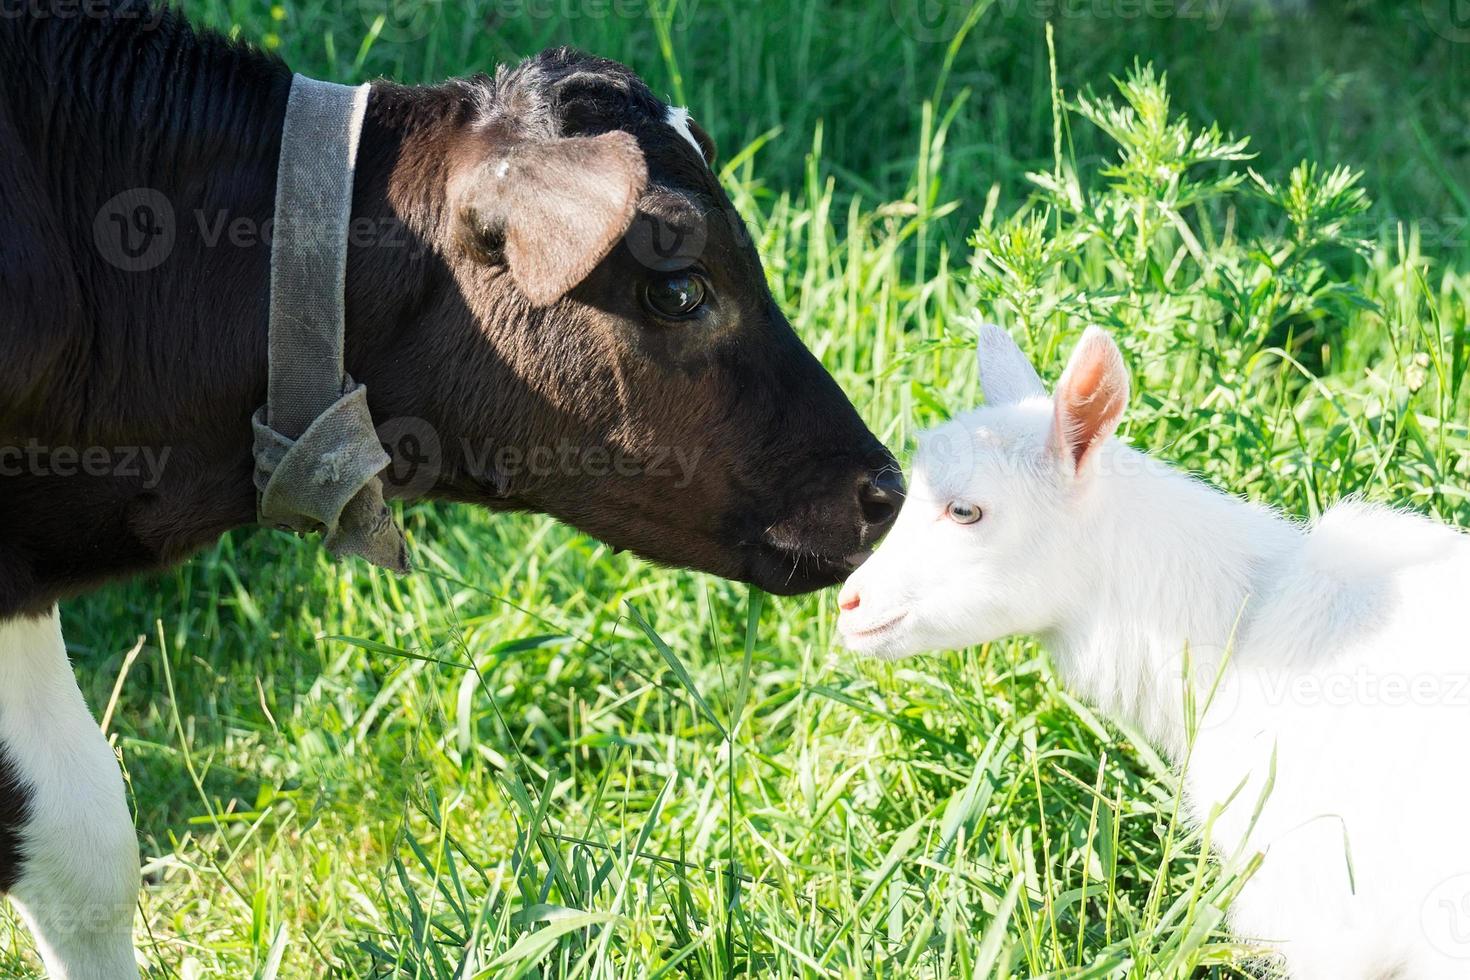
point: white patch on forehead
(678, 117)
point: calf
(524, 346)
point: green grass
(537, 758)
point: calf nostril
(880, 495)
(848, 601)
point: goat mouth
(876, 629)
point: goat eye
(962, 513)
(674, 296)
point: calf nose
(849, 599)
(880, 495)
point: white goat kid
(1334, 656)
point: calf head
(613, 355)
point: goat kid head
(615, 314)
(985, 545)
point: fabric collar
(317, 456)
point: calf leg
(68, 852)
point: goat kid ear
(1089, 400)
(554, 208)
(1006, 376)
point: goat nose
(880, 495)
(849, 599)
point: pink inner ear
(1090, 399)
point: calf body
(1326, 665)
(548, 297)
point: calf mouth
(786, 569)
(826, 540)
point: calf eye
(675, 295)
(962, 513)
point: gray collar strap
(317, 456)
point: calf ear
(1089, 400)
(706, 142)
(554, 208)
(1005, 374)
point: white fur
(678, 117)
(79, 881)
(1340, 647)
(1003, 378)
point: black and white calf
(540, 262)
